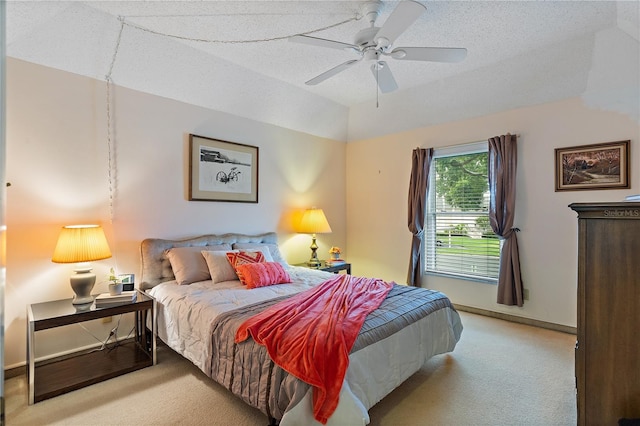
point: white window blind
(459, 241)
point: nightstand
(53, 377)
(328, 268)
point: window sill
(461, 277)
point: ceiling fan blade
(383, 76)
(322, 42)
(432, 54)
(405, 14)
(333, 71)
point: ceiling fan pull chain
(377, 85)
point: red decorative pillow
(244, 258)
(255, 275)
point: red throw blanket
(311, 334)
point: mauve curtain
(502, 186)
(420, 163)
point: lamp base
(82, 283)
(314, 256)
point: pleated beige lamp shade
(81, 244)
(314, 222)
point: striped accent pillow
(237, 259)
(263, 274)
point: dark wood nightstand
(328, 268)
(54, 377)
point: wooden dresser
(608, 345)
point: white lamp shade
(81, 243)
(314, 222)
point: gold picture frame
(222, 171)
(591, 167)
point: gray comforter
(248, 371)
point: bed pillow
(239, 258)
(219, 267)
(262, 274)
(271, 248)
(188, 265)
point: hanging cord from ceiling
(123, 22)
(111, 169)
(110, 141)
(110, 137)
(357, 17)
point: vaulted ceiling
(234, 56)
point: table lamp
(313, 222)
(81, 244)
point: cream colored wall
(57, 165)
(377, 183)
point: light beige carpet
(500, 373)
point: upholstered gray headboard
(155, 264)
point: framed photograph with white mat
(222, 171)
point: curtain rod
(456, 145)
(476, 141)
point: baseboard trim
(15, 372)
(521, 320)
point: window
(459, 241)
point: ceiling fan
(374, 43)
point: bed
(200, 304)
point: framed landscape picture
(596, 166)
(222, 171)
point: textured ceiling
(542, 50)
